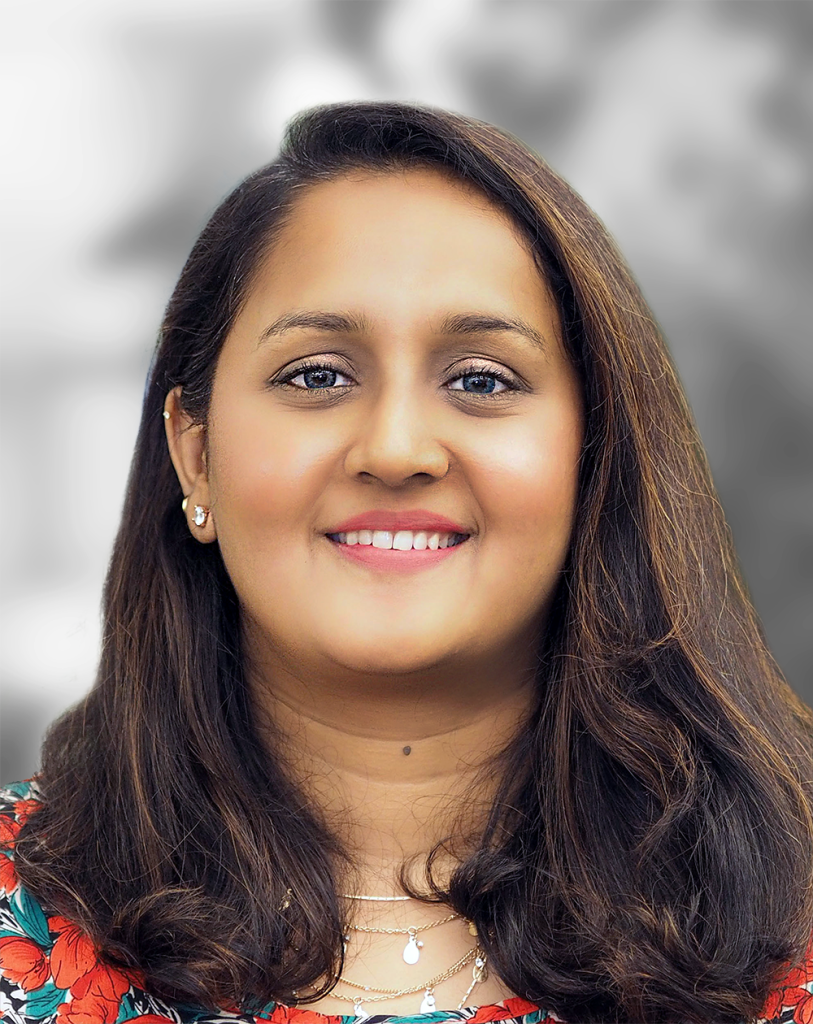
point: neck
(392, 760)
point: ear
(187, 449)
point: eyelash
(471, 371)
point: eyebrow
(478, 323)
(333, 323)
(349, 323)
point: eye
(320, 377)
(485, 376)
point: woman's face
(437, 383)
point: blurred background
(688, 126)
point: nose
(396, 439)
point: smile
(403, 540)
(401, 552)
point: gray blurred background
(688, 126)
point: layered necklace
(411, 955)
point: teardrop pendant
(480, 971)
(412, 950)
(428, 1002)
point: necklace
(412, 950)
(376, 899)
(475, 954)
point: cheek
(264, 474)
(530, 484)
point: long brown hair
(649, 856)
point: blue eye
(321, 377)
(487, 376)
(317, 373)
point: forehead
(397, 203)
(415, 233)
(429, 186)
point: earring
(201, 515)
(184, 503)
(165, 414)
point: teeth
(402, 540)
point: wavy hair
(649, 854)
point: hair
(649, 854)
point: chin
(398, 655)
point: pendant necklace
(412, 950)
(475, 956)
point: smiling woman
(429, 683)
(351, 404)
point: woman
(428, 681)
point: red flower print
(773, 1006)
(24, 962)
(278, 1015)
(519, 1007)
(25, 808)
(297, 1016)
(803, 1010)
(790, 996)
(95, 987)
(799, 975)
(791, 992)
(8, 829)
(149, 1018)
(58, 923)
(90, 1010)
(102, 982)
(8, 876)
(489, 1013)
(293, 1015)
(514, 1007)
(73, 954)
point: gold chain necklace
(376, 899)
(475, 954)
(412, 950)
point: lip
(393, 521)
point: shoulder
(49, 970)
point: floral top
(50, 972)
